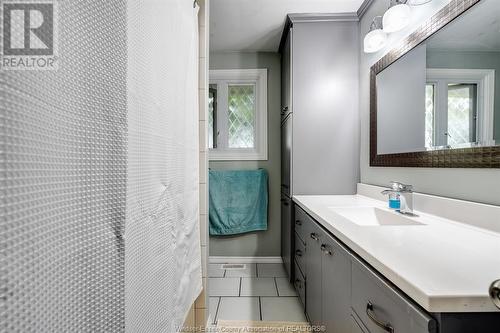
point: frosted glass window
(237, 119)
(241, 116)
(429, 115)
(457, 108)
(212, 116)
(462, 102)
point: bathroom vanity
(360, 267)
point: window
(237, 119)
(458, 107)
(462, 113)
(430, 105)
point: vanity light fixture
(376, 38)
(397, 16)
(418, 2)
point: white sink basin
(371, 216)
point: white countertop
(444, 266)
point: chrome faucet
(405, 193)
(495, 293)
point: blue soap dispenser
(394, 201)
(394, 196)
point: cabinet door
(313, 273)
(286, 233)
(336, 285)
(286, 77)
(325, 116)
(355, 327)
(300, 284)
(286, 156)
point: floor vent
(233, 266)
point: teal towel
(237, 201)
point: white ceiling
(476, 30)
(256, 25)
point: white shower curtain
(162, 241)
(63, 179)
(99, 226)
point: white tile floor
(255, 292)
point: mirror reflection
(445, 93)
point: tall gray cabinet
(320, 117)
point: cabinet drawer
(300, 252)
(301, 221)
(356, 327)
(300, 284)
(383, 309)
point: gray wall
(262, 243)
(401, 127)
(468, 184)
(475, 60)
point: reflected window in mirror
(457, 108)
(462, 114)
(445, 92)
(454, 121)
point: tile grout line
(272, 296)
(217, 310)
(276, 286)
(239, 292)
(260, 309)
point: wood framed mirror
(435, 99)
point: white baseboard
(245, 260)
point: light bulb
(375, 40)
(396, 18)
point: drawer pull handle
(298, 222)
(325, 250)
(314, 236)
(385, 326)
(298, 253)
(495, 293)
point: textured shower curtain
(99, 174)
(162, 241)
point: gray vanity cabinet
(383, 309)
(286, 77)
(317, 53)
(356, 327)
(313, 272)
(287, 234)
(286, 154)
(335, 285)
(286, 231)
(327, 275)
(319, 116)
(343, 293)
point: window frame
(485, 81)
(223, 78)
